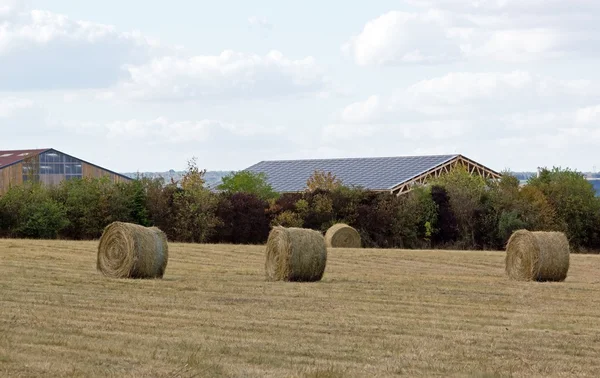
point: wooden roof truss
(473, 168)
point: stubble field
(376, 313)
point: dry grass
(375, 313)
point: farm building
(394, 174)
(47, 166)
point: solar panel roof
(377, 173)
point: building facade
(47, 166)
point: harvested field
(375, 313)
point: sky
(148, 85)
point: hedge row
(457, 210)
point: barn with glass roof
(47, 166)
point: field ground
(376, 313)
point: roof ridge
(26, 149)
(359, 158)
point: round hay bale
(128, 250)
(295, 254)
(341, 235)
(537, 256)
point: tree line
(457, 210)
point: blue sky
(146, 85)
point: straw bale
(537, 256)
(341, 235)
(128, 250)
(295, 254)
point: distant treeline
(458, 210)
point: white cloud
(362, 111)
(506, 31)
(228, 75)
(589, 115)
(260, 22)
(400, 131)
(511, 7)
(11, 105)
(162, 129)
(521, 115)
(472, 94)
(44, 50)
(401, 37)
(523, 45)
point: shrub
(248, 182)
(575, 202)
(243, 219)
(30, 212)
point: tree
(29, 211)
(446, 230)
(194, 177)
(194, 208)
(575, 202)
(243, 219)
(465, 191)
(248, 182)
(322, 180)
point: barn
(47, 166)
(396, 175)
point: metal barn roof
(378, 173)
(14, 156)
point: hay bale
(341, 235)
(128, 250)
(295, 254)
(537, 256)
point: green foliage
(466, 193)
(509, 222)
(456, 210)
(92, 204)
(30, 212)
(194, 207)
(575, 202)
(248, 182)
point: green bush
(457, 210)
(30, 212)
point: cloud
(511, 7)
(507, 31)
(162, 143)
(44, 50)
(462, 94)
(404, 38)
(162, 130)
(12, 105)
(228, 75)
(401, 130)
(259, 22)
(508, 118)
(589, 115)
